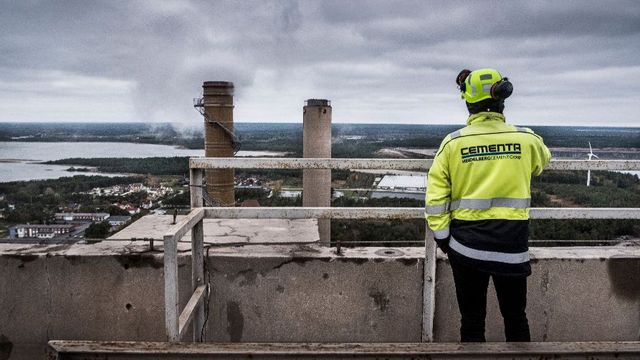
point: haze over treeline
(287, 137)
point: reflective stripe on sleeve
(436, 209)
(441, 234)
(507, 258)
(480, 204)
(455, 134)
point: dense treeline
(287, 137)
(26, 191)
(153, 165)
(37, 201)
(583, 229)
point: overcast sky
(571, 62)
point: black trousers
(471, 291)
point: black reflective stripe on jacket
(497, 247)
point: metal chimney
(219, 138)
(316, 184)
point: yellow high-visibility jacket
(479, 188)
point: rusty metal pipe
(218, 111)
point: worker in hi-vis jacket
(477, 205)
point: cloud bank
(571, 62)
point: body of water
(19, 161)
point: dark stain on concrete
(280, 289)
(307, 248)
(357, 261)
(37, 249)
(139, 261)
(325, 276)
(76, 259)
(5, 348)
(544, 285)
(23, 259)
(379, 298)
(249, 277)
(50, 248)
(624, 275)
(298, 260)
(408, 262)
(235, 321)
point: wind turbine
(591, 155)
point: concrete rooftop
(227, 231)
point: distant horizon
(183, 125)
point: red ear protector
(502, 89)
(462, 76)
(499, 91)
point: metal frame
(74, 349)
(177, 322)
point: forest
(287, 137)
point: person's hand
(443, 244)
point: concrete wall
(296, 293)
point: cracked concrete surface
(227, 231)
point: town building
(81, 217)
(118, 220)
(39, 231)
(400, 186)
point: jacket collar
(485, 116)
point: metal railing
(177, 321)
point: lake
(19, 160)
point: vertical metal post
(195, 187)
(197, 275)
(197, 250)
(171, 306)
(429, 286)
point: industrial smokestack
(219, 140)
(316, 184)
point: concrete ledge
(149, 350)
(113, 291)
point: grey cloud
(356, 52)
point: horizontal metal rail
(70, 349)
(381, 164)
(398, 213)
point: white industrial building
(400, 186)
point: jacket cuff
(441, 234)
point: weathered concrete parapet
(302, 293)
